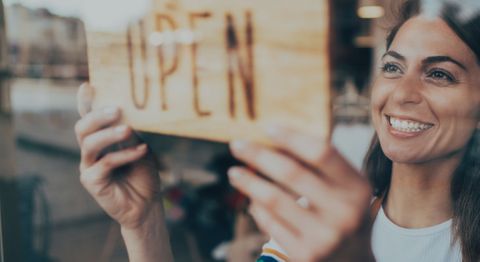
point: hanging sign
(217, 69)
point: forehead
(422, 37)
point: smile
(408, 126)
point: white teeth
(408, 125)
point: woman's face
(426, 99)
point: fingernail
(110, 111)
(234, 173)
(260, 215)
(121, 129)
(251, 210)
(239, 145)
(142, 147)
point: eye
(441, 75)
(390, 69)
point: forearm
(149, 242)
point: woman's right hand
(124, 182)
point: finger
(287, 172)
(96, 142)
(314, 151)
(289, 242)
(95, 177)
(85, 96)
(320, 242)
(272, 198)
(317, 243)
(255, 241)
(95, 121)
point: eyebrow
(394, 55)
(440, 59)
(428, 60)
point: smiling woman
(425, 107)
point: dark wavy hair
(465, 185)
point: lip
(401, 134)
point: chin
(403, 155)
(400, 157)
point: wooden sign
(217, 69)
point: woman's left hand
(334, 226)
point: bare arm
(124, 182)
(150, 242)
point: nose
(408, 91)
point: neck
(419, 194)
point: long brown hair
(465, 185)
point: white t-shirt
(392, 243)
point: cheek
(457, 116)
(379, 97)
(455, 108)
(461, 121)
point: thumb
(85, 96)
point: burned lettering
(164, 71)
(195, 80)
(131, 60)
(235, 62)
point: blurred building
(45, 45)
(6, 141)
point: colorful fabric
(272, 252)
(267, 259)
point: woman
(422, 165)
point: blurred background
(43, 61)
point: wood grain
(224, 68)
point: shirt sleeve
(272, 252)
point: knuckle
(87, 119)
(307, 255)
(84, 180)
(271, 199)
(108, 162)
(350, 225)
(325, 154)
(291, 174)
(81, 167)
(83, 155)
(85, 150)
(350, 219)
(332, 237)
(79, 127)
(87, 144)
